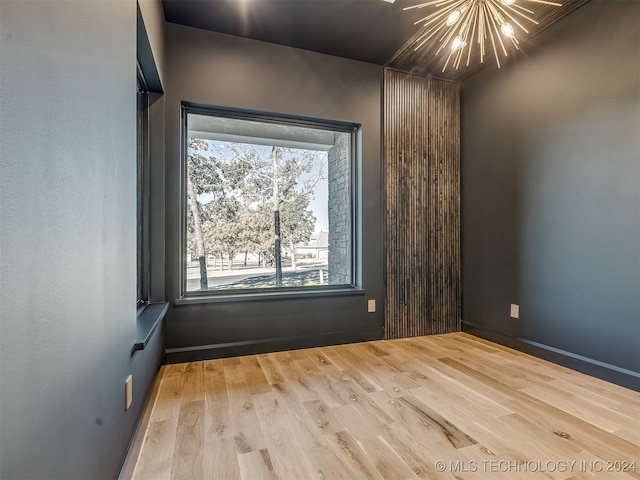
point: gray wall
(551, 190)
(68, 243)
(153, 16)
(215, 69)
(151, 48)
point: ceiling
(374, 31)
(367, 30)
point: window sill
(242, 297)
(147, 322)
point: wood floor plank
(280, 445)
(412, 453)
(188, 453)
(256, 464)
(421, 452)
(154, 461)
(168, 400)
(284, 363)
(352, 454)
(256, 380)
(351, 420)
(320, 360)
(322, 416)
(499, 444)
(328, 389)
(431, 419)
(324, 463)
(388, 462)
(193, 389)
(360, 398)
(217, 413)
(442, 407)
(220, 459)
(270, 370)
(298, 421)
(244, 424)
(304, 364)
(576, 406)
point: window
(269, 202)
(142, 190)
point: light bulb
(458, 43)
(507, 30)
(507, 2)
(453, 17)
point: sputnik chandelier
(459, 24)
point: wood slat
(422, 205)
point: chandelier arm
(424, 38)
(447, 62)
(490, 32)
(513, 38)
(495, 13)
(461, 50)
(494, 20)
(555, 4)
(456, 63)
(443, 43)
(481, 32)
(464, 33)
(437, 3)
(515, 6)
(462, 27)
(473, 31)
(462, 22)
(439, 14)
(513, 19)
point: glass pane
(268, 205)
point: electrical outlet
(371, 306)
(128, 392)
(515, 311)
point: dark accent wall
(422, 195)
(551, 192)
(68, 239)
(216, 69)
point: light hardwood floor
(446, 406)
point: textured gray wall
(551, 189)
(68, 245)
(215, 69)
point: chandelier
(464, 26)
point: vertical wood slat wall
(422, 205)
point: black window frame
(142, 190)
(355, 132)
